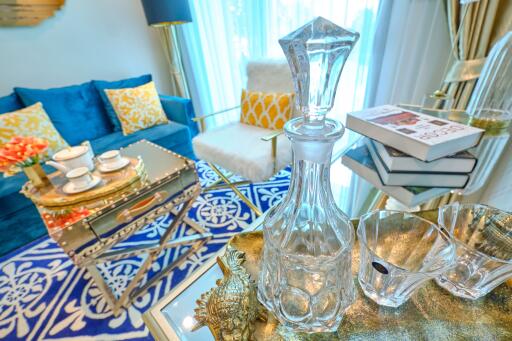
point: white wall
(86, 39)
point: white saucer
(70, 188)
(106, 169)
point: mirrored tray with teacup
(112, 161)
(431, 313)
(97, 185)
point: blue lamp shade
(166, 12)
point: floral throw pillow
(137, 108)
(31, 121)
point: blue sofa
(82, 112)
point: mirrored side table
(91, 226)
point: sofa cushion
(120, 84)
(137, 108)
(76, 111)
(10, 103)
(173, 136)
(180, 110)
(31, 121)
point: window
(225, 34)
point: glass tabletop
(172, 317)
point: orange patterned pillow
(266, 109)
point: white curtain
(225, 34)
(400, 56)
(408, 60)
(412, 50)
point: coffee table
(91, 226)
(431, 314)
(172, 317)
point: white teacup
(111, 159)
(80, 177)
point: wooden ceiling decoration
(27, 12)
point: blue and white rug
(43, 296)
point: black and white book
(397, 161)
(422, 136)
(358, 159)
(421, 179)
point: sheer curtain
(399, 57)
(409, 60)
(225, 34)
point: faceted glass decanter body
(306, 278)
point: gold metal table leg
(235, 189)
(152, 251)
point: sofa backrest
(10, 103)
(76, 111)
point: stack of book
(411, 156)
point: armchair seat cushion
(238, 148)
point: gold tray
(52, 197)
(431, 314)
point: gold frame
(27, 12)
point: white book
(415, 178)
(423, 136)
(397, 161)
(360, 161)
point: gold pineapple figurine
(230, 309)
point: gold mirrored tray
(53, 197)
(431, 314)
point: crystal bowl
(399, 252)
(483, 240)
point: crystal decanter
(306, 278)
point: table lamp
(164, 15)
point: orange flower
(21, 151)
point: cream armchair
(252, 152)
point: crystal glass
(483, 239)
(490, 108)
(399, 252)
(492, 97)
(306, 278)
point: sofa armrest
(180, 110)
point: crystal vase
(306, 278)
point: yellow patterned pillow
(31, 121)
(266, 110)
(137, 108)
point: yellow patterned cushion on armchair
(266, 110)
(137, 108)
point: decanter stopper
(316, 53)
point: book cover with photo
(422, 136)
